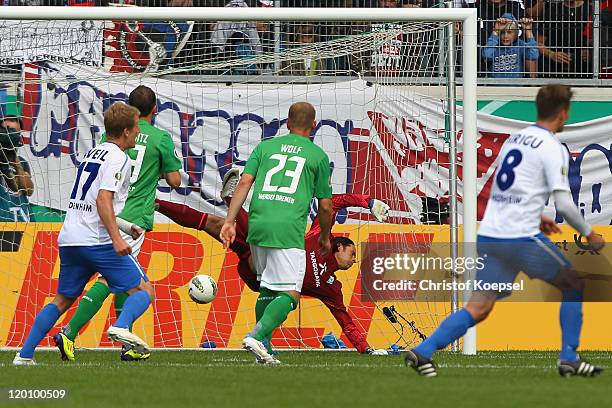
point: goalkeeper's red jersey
(320, 281)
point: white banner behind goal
(384, 140)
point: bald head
(301, 118)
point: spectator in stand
(563, 46)
(488, 12)
(507, 55)
(224, 30)
(54, 3)
(605, 38)
(464, 3)
(239, 47)
(387, 59)
(419, 49)
(412, 3)
(313, 63)
(265, 30)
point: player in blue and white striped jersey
(90, 242)
(533, 166)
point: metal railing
(576, 49)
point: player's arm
(556, 168)
(548, 225)
(348, 326)
(173, 179)
(379, 209)
(170, 163)
(104, 202)
(112, 176)
(325, 223)
(568, 210)
(323, 192)
(228, 230)
(341, 201)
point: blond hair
(118, 117)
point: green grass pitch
(306, 379)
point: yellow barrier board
(172, 256)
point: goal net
(380, 89)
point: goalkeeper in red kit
(320, 281)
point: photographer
(16, 182)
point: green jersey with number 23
(152, 156)
(289, 171)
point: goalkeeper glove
(379, 210)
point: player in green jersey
(287, 172)
(153, 155)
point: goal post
(392, 87)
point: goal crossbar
(467, 16)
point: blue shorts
(536, 256)
(79, 263)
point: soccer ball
(202, 289)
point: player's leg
(249, 343)
(544, 260)
(124, 274)
(138, 301)
(495, 270)
(190, 218)
(44, 321)
(240, 245)
(89, 306)
(282, 273)
(211, 224)
(266, 296)
(74, 274)
(452, 328)
(246, 271)
(128, 354)
(120, 298)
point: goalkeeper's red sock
(183, 214)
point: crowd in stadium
(517, 38)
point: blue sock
(135, 305)
(44, 321)
(570, 317)
(453, 327)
